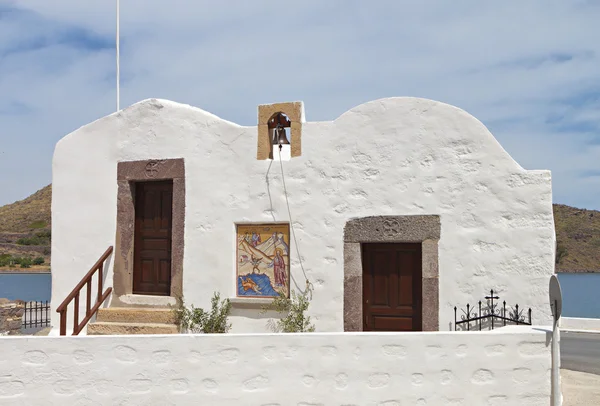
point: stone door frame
(128, 174)
(424, 229)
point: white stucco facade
(503, 367)
(396, 156)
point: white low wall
(504, 367)
(579, 323)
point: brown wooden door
(392, 287)
(152, 245)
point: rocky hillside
(25, 232)
(578, 239)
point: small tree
(294, 320)
(197, 320)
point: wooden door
(392, 287)
(152, 245)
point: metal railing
(36, 314)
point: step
(136, 315)
(147, 301)
(112, 328)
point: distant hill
(29, 214)
(578, 239)
(25, 232)
(28, 221)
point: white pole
(556, 393)
(118, 57)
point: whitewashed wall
(509, 367)
(84, 209)
(397, 156)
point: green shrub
(5, 259)
(26, 263)
(40, 238)
(30, 241)
(561, 252)
(38, 224)
(294, 320)
(197, 320)
(38, 261)
(9, 260)
(46, 234)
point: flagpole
(118, 60)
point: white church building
(396, 212)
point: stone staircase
(133, 320)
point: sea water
(26, 286)
(581, 294)
(581, 291)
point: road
(580, 351)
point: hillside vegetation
(578, 239)
(32, 213)
(25, 233)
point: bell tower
(279, 124)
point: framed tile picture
(263, 260)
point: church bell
(279, 137)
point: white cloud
(528, 70)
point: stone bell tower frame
(295, 113)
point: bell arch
(288, 116)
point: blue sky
(528, 70)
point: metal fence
(37, 314)
(490, 315)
